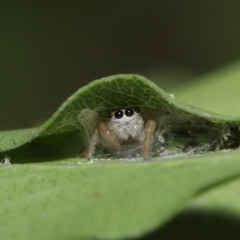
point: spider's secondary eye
(136, 110)
(118, 114)
(129, 112)
(110, 115)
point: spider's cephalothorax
(124, 126)
(127, 124)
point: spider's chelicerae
(123, 126)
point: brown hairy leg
(92, 144)
(149, 131)
(107, 138)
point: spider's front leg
(148, 140)
(92, 144)
(102, 132)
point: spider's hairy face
(126, 123)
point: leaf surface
(71, 198)
(67, 132)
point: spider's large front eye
(118, 114)
(129, 112)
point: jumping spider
(123, 126)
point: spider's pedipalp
(149, 131)
(118, 130)
(137, 130)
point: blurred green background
(49, 49)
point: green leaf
(214, 213)
(71, 198)
(75, 200)
(67, 132)
(216, 91)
